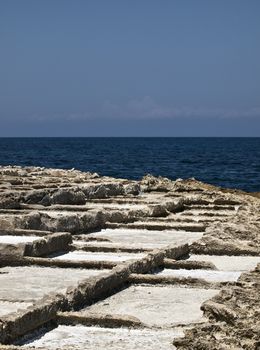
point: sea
(227, 162)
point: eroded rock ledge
(152, 263)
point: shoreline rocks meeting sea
(95, 262)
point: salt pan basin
(207, 275)
(93, 338)
(229, 263)
(30, 283)
(115, 205)
(7, 307)
(147, 238)
(17, 239)
(156, 306)
(89, 256)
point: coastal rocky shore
(94, 262)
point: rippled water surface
(229, 162)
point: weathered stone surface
(9, 200)
(64, 196)
(49, 244)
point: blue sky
(129, 68)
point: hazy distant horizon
(130, 137)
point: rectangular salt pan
(28, 284)
(147, 238)
(208, 275)
(229, 263)
(7, 307)
(92, 338)
(89, 256)
(17, 239)
(156, 306)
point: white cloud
(138, 109)
(147, 108)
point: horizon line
(82, 137)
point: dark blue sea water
(229, 162)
